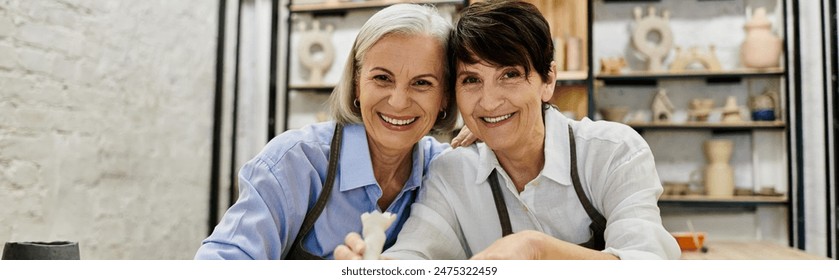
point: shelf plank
(734, 201)
(713, 126)
(564, 78)
(571, 75)
(732, 74)
(736, 198)
(748, 250)
(351, 5)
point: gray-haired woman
(308, 187)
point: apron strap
(297, 251)
(598, 222)
(500, 206)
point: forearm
(536, 245)
(555, 249)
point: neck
(524, 162)
(391, 169)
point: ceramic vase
(719, 175)
(761, 48)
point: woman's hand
(535, 245)
(464, 138)
(352, 249)
(523, 245)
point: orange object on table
(687, 242)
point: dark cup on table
(56, 250)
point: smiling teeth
(497, 119)
(398, 122)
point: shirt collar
(557, 148)
(356, 165)
(486, 163)
(417, 169)
(356, 161)
(557, 158)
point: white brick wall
(106, 124)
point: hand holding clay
(374, 225)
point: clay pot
(731, 111)
(761, 48)
(700, 109)
(763, 106)
(59, 250)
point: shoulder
(609, 132)
(289, 165)
(601, 137)
(431, 149)
(311, 138)
(456, 159)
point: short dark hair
(502, 33)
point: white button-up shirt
(455, 216)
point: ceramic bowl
(614, 114)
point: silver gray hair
(403, 19)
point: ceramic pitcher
(761, 48)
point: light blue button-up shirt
(279, 185)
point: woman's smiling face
(401, 88)
(499, 104)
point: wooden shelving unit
(770, 156)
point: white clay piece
(374, 225)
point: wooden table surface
(748, 250)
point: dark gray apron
(598, 222)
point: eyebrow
(415, 77)
(380, 69)
(427, 75)
(466, 72)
